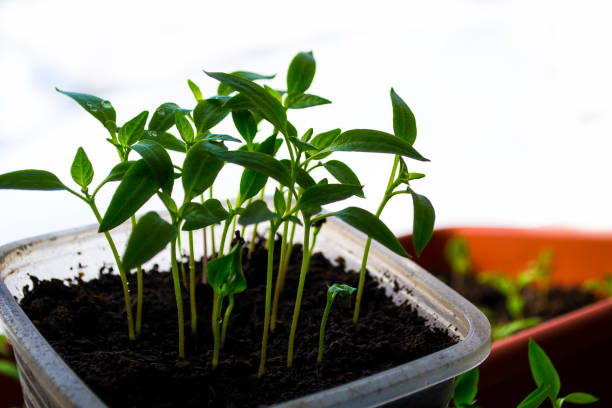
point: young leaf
(167, 140)
(306, 137)
(259, 162)
(323, 140)
(245, 123)
(301, 101)
(224, 89)
(343, 174)
(241, 102)
(279, 202)
(466, 388)
(374, 141)
(341, 289)
(301, 72)
(542, 369)
(81, 170)
(208, 113)
(159, 162)
(132, 131)
(255, 213)
(301, 145)
(423, 222)
(370, 225)
(117, 172)
(215, 137)
(270, 108)
(200, 169)
(101, 109)
(322, 194)
(183, 126)
(536, 398)
(195, 90)
(136, 188)
(168, 202)
(202, 215)
(163, 117)
(225, 275)
(404, 124)
(150, 235)
(579, 398)
(251, 181)
(276, 94)
(30, 180)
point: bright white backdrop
(512, 98)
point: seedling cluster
(276, 158)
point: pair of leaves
(133, 130)
(149, 236)
(224, 274)
(341, 289)
(199, 216)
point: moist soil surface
(85, 323)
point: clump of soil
(85, 323)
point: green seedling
(466, 388)
(502, 331)
(601, 287)
(457, 255)
(7, 367)
(548, 383)
(333, 291)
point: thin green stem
(192, 285)
(205, 244)
(139, 289)
(254, 236)
(323, 324)
(269, 275)
(180, 261)
(226, 318)
(179, 301)
(218, 302)
(212, 233)
(224, 235)
(280, 280)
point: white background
(512, 98)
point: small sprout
(506, 330)
(466, 388)
(7, 367)
(333, 291)
(602, 287)
(457, 254)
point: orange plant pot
(579, 343)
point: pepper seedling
(601, 287)
(466, 388)
(457, 255)
(334, 290)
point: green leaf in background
(100, 109)
(370, 225)
(306, 136)
(323, 140)
(343, 174)
(169, 203)
(259, 162)
(150, 235)
(466, 388)
(195, 90)
(279, 202)
(276, 94)
(159, 162)
(167, 140)
(256, 212)
(215, 137)
(133, 130)
(30, 180)
(301, 101)
(579, 398)
(225, 275)
(536, 398)
(374, 141)
(322, 194)
(202, 215)
(225, 89)
(163, 117)
(270, 108)
(136, 188)
(240, 102)
(423, 222)
(208, 113)
(200, 169)
(301, 145)
(543, 370)
(301, 72)
(183, 126)
(81, 169)
(117, 172)
(245, 123)
(251, 181)
(404, 124)
(9, 369)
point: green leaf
(301, 72)
(301, 101)
(300, 145)
(132, 131)
(543, 370)
(169, 203)
(343, 174)
(150, 235)
(370, 225)
(276, 94)
(81, 170)
(208, 113)
(30, 180)
(245, 124)
(215, 137)
(404, 124)
(579, 398)
(341, 289)
(306, 137)
(466, 388)
(224, 89)
(279, 202)
(167, 140)
(202, 215)
(101, 109)
(303, 179)
(323, 140)
(195, 90)
(374, 141)
(117, 172)
(163, 117)
(423, 222)
(240, 102)
(255, 213)
(136, 188)
(183, 126)
(200, 169)
(270, 108)
(259, 162)
(251, 181)
(322, 194)
(9, 369)
(224, 274)
(159, 162)
(536, 398)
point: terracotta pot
(579, 343)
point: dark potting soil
(85, 323)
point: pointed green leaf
(200, 169)
(301, 72)
(270, 108)
(302, 101)
(404, 124)
(276, 94)
(245, 124)
(195, 90)
(30, 180)
(323, 140)
(255, 213)
(322, 194)
(536, 398)
(183, 126)
(224, 89)
(101, 109)
(202, 215)
(543, 370)
(168, 202)
(215, 137)
(163, 117)
(301, 145)
(224, 274)
(117, 172)
(208, 113)
(423, 222)
(133, 130)
(579, 398)
(306, 137)
(341, 289)
(343, 174)
(136, 188)
(240, 102)
(466, 388)
(150, 235)
(159, 162)
(9, 369)
(81, 170)
(279, 202)
(251, 181)
(259, 162)
(167, 140)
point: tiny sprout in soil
(333, 291)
